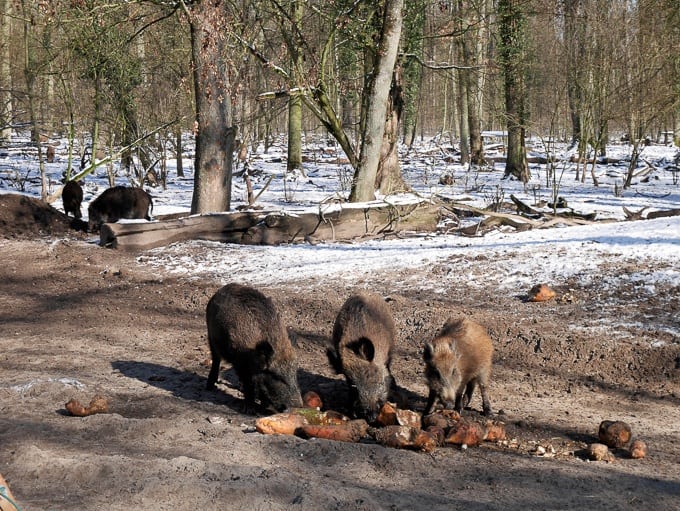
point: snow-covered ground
(650, 249)
(513, 260)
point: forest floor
(78, 320)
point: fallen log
(495, 220)
(524, 208)
(330, 223)
(228, 227)
(519, 222)
(663, 214)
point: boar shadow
(190, 385)
(187, 385)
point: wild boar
(456, 360)
(245, 329)
(364, 335)
(72, 197)
(119, 202)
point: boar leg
(467, 397)
(486, 406)
(214, 372)
(431, 399)
(248, 390)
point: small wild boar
(72, 197)
(245, 329)
(364, 336)
(119, 202)
(456, 360)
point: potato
(451, 415)
(437, 433)
(312, 400)
(541, 293)
(638, 449)
(599, 452)
(387, 416)
(614, 434)
(444, 419)
(319, 418)
(465, 432)
(404, 437)
(425, 441)
(495, 431)
(98, 404)
(351, 431)
(287, 423)
(408, 418)
(280, 423)
(390, 415)
(75, 408)
(435, 420)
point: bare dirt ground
(78, 320)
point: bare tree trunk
(389, 178)
(215, 136)
(294, 101)
(178, 150)
(31, 93)
(460, 91)
(294, 160)
(473, 57)
(512, 53)
(573, 38)
(363, 186)
(463, 125)
(6, 110)
(413, 30)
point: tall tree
(295, 101)
(414, 26)
(512, 56)
(6, 107)
(473, 42)
(31, 71)
(363, 186)
(574, 42)
(215, 135)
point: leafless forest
(119, 79)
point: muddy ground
(78, 320)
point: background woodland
(128, 81)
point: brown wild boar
(72, 197)
(364, 335)
(456, 360)
(245, 329)
(119, 202)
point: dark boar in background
(119, 202)
(457, 360)
(245, 329)
(72, 197)
(364, 336)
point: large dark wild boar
(245, 329)
(72, 197)
(364, 335)
(119, 202)
(456, 360)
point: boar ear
(264, 351)
(292, 337)
(334, 360)
(427, 352)
(363, 347)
